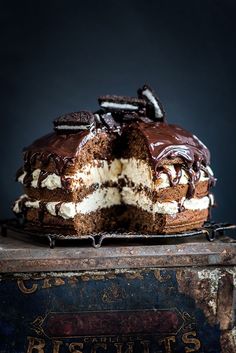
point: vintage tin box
(129, 297)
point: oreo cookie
(73, 122)
(108, 121)
(121, 103)
(154, 106)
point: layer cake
(122, 168)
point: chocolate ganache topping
(65, 145)
(61, 149)
(169, 142)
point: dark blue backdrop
(58, 56)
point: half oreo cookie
(73, 122)
(154, 107)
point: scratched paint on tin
(143, 311)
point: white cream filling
(32, 204)
(16, 207)
(107, 197)
(140, 199)
(125, 106)
(21, 178)
(67, 210)
(139, 172)
(35, 178)
(197, 204)
(51, 182)
(73, 127)
(51, 208)
(147, 93)
(100, 172)
(101, 198)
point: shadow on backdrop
(59, 56)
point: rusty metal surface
(23, 254)
(161, 310)
(161, 296)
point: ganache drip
(171, 142)
(41, 212)
(173, 181)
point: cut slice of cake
(120, 169)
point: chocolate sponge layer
(175, 193)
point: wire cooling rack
(210, 230)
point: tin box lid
(23, 254)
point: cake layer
(61, 194)
(115, 218)
(107, 219)
(169, 193)
(139, 220)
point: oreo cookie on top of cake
(122, 167)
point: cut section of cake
(70, 175)
(122, 168)
(168, 178)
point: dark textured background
(58, 56)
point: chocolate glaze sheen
(172, 141)
(57, 147)
(65, 145)
(168, 141)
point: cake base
(125, 218)
(106, 219)
(148, 223)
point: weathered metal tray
(210, 230)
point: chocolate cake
(121, 168)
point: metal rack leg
(52, 241)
